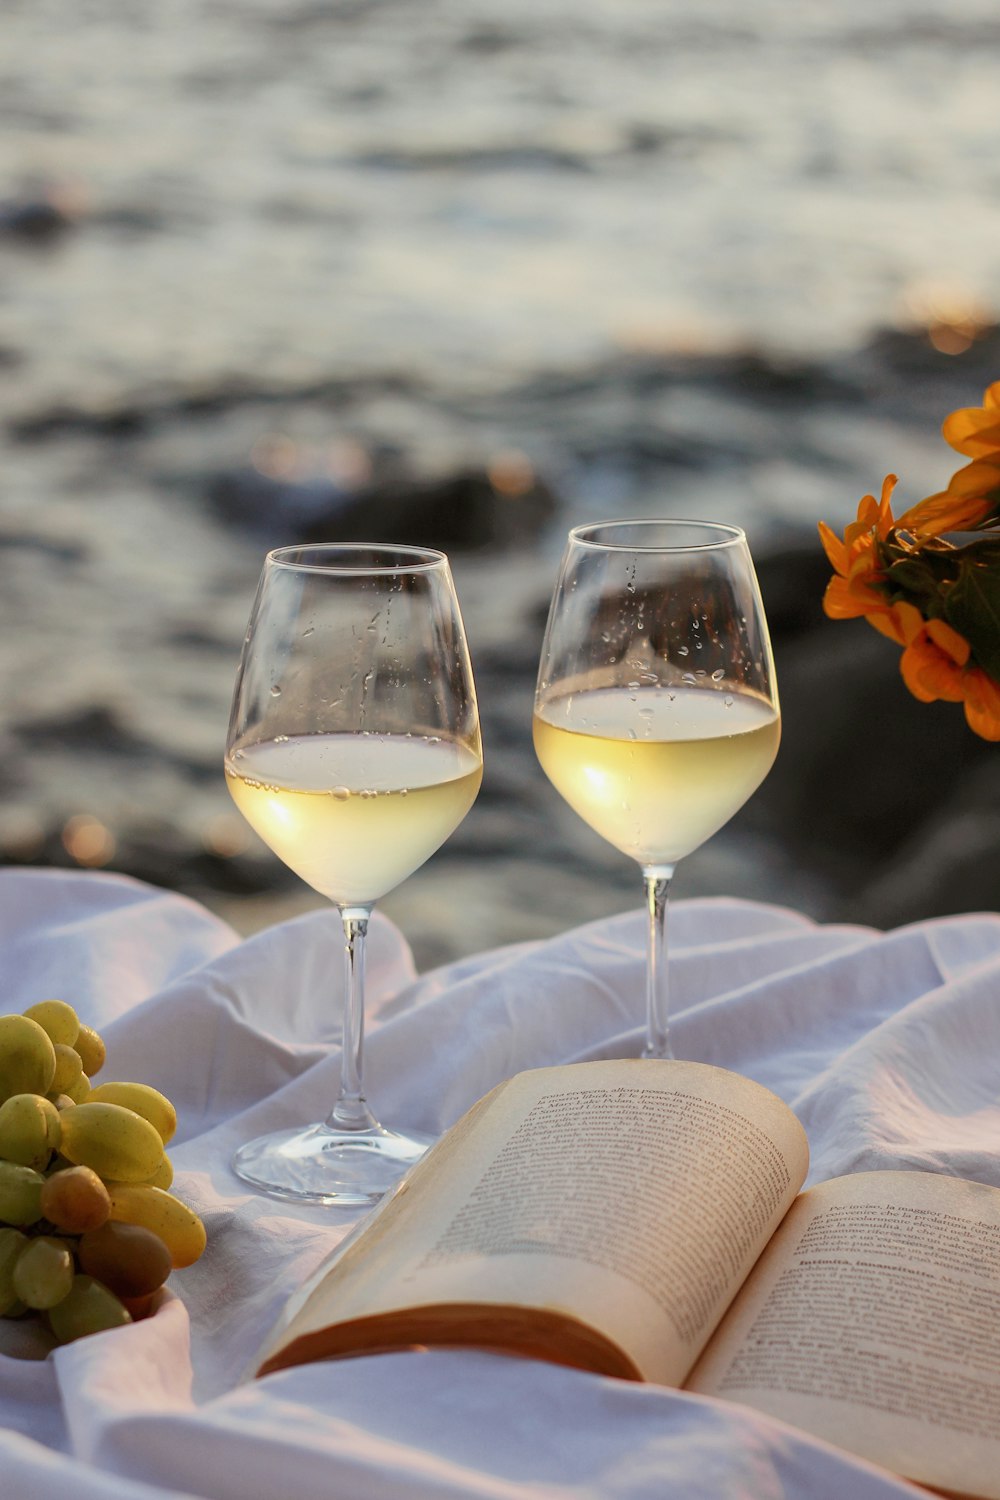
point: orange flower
(972, 496)
(933, 658)
(856, 588)
(975, 430)
(982, 704)
(898, 575)
(935, 664)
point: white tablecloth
(887, 1046)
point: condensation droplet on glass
(729, 702)
(631, 733)
(690, 679)
(718, 675)
(309, 630)
(342, 793)
(701, 672)
(605, 637)
(275, 691)
(633, 687)
(682, 651)
(281, 739)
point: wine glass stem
(351, 1112)
(657, 879)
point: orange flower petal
(885, 521)
(834, 548)
(981, 477)
(982, 704)
(863, 567)
(929, 673)
(884, 622)
(946, 512)
(949, 641)
(909, 621)
(991, 396)
(840, 603)
(973, 431)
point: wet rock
(42, 212)
(33, 220)
(792, 583)
(276, 510)
(872, 789)
(464, 511)
(96, 728)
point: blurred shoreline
(272, 270)
(138, 568)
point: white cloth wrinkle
(886, 1045)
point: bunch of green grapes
(88, 1229)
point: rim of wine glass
(724, 535)
(316, 557)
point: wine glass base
(318, 1164)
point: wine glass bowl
(656, 711)
(354, 751)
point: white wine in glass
(354, 751)
(656, 709)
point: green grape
(43, 1272)
(87, 1308)
(75, 1200)
(115, 1141)
(79, 1091)
(29, 1130)
(176, 1224)
(20, 1194)
(59, 1100)
(92, 1050)
(12, 1242)
(16, 1309)
(129, 1259)
(164, 1174)
(144, 1100)
(58, 1019)
(69, 1069)
(27, 1057)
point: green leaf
(912, 579)
(972, 607)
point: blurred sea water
(653, 255)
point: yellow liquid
(354, 814)
(656, 772)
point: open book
(643, 1219)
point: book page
(873, 1321)
(630, 1196)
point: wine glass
(656, 709)
(354, 751)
